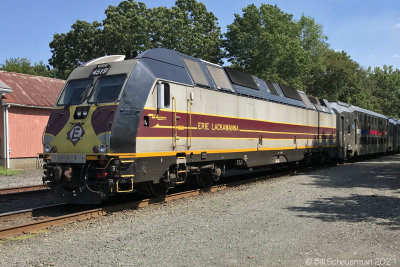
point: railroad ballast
(164, 118)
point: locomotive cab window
(74, 91)
(107, 89)
(163, 95)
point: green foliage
(339, 80)
(24, 65)
(9, 172)
(186, 27)
(264, 41)
(386, 89)
(313, 41)
(271, 44)
(81, 44)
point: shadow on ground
(382, 210)
(377, 173)
(379, 204)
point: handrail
(190, 122)
(124, 191)
(175, 124)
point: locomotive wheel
(307, 161)
(204, 179)
(158, 189)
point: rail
(47, 222)
(23, 189)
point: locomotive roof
(211, 76)
(185, 69)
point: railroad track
(23, 189)
(44, 222)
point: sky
(367, 30)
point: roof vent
(105, 59)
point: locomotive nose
(80, 129)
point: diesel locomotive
(148, 123)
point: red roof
(31, 90)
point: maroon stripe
(212, 126)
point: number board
(100, 71)
(68, 158)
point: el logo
(75, 134)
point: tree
(195, 31)
(267, 43)
(342, 79)
(126, 28)
(387, 89)
(23, 65)
(186, 27)
(82, 43)
(314, 43)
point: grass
(26, 236)
(10, 172)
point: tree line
(264, 41)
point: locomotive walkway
(338, 216)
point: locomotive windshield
(107, 89)
(74, 91)
(103, 90)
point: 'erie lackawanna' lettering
(217, 127)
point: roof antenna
(129, 55)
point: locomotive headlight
(54, 149)
(47, 148)
(78, 113)
(96, 149)
(102, 148)
(81, 113)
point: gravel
(15, 202)
(25, 178)
(344, 215)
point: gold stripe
(232, 117)
(127, 161)
(181, 128)
(198, 152)
(259, 131)
(228, 138)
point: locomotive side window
(107, 89)
(74, 91)
(167, 97)
(163, 95)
